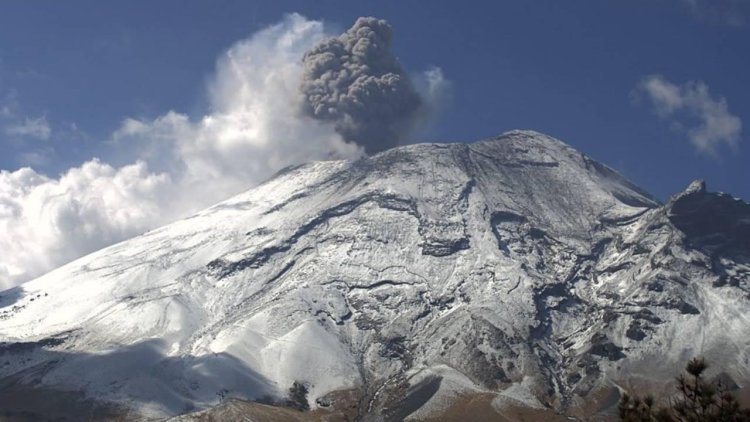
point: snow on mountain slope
(514, 265)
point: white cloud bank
(254, 128)
(45, 222)
(691, 108)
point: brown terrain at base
(344, 410)
(480, 409)
(599, 405)
(473, 407)
(19, 403)
(24, 404)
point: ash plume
(355, 82)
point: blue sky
(657, 89)
(564, 68)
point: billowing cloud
(254, 127)
(30, 128)
(691, 108)
(354, 81)
(45, 222)
(180, 165)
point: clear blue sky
(568, 69)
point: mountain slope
(516, 266)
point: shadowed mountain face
(514, 271)
(713, 222)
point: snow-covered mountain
(514, 271)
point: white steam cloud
(254, 128)
(45, 222)
(691, 108)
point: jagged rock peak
(696, 186)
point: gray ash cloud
(355, 82)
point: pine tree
(697, 401)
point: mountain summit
(515, 271)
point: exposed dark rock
(605, 348)
(444, 247)
(610, 315)
(682, 306)
(647, 315)
(298, 396)
(655, 286)
(574, 378)
(23, 347)
(394, 348)
(635, 331)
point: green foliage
(697, 401)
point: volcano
(510, 274)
